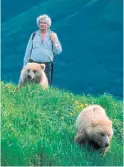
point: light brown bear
(33, 73)
(94, 128)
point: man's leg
(48, 72)
(52, 68)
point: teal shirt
(42, 50)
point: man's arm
(57, 48)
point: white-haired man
(43, 45)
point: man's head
(43, 21)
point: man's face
(43, 25)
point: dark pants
(48, 70)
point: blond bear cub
(94, 128)
(33, 73)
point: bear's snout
(106, 144)
(28, 76)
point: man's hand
(53, 36)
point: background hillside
(91, 35)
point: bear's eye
(28, 70)
(34, 71)
(108, 135)
(102, 134)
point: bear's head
(100, 133)
(33, 72)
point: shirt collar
(48, 32)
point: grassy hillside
(38, 128)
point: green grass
(38, 128)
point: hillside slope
(38, 128)
(91, 36)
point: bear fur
(94, 128)
(33, 73)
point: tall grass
(38, 128)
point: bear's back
(90, 113)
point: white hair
(45, 18)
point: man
(43, 45)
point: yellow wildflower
(85, 105)
(76, 102)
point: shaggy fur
(33, 72)
(94, 128)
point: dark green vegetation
(91, 35)
(38, 128)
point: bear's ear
(28, 63)
(43, 66)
